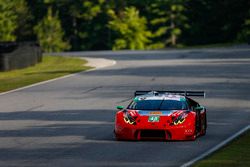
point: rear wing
(183, 93)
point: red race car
(164, 115)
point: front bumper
(162, 130)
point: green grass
(237, 153)
(51, 67)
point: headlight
(179, 119)
(128, 118)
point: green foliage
(85, 23)
(48, 1)
(8, 20)
(93, 20)
(89, 25)
(214, 21)
(50, 33)
(244, 35)
(24, 17)
(92, 9)
(168, 20)
(131, 29)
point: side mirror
(120, 107)
(199, 108)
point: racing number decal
(154, 118)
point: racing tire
(197, 127)
(115, 136)
(204, 126)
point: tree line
(124, 24)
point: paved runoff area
(70, 121)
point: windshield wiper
(161, 104)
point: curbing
(215, 148)
(113, 62)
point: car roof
(164, 96)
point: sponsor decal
(188, 131)
(156, 113)
(162, 113)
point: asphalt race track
(69, 122)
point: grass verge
(235, 154)
(51, 67)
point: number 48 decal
(153, 118)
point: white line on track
(217, 147)
(113, 62)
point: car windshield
(158, 105)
